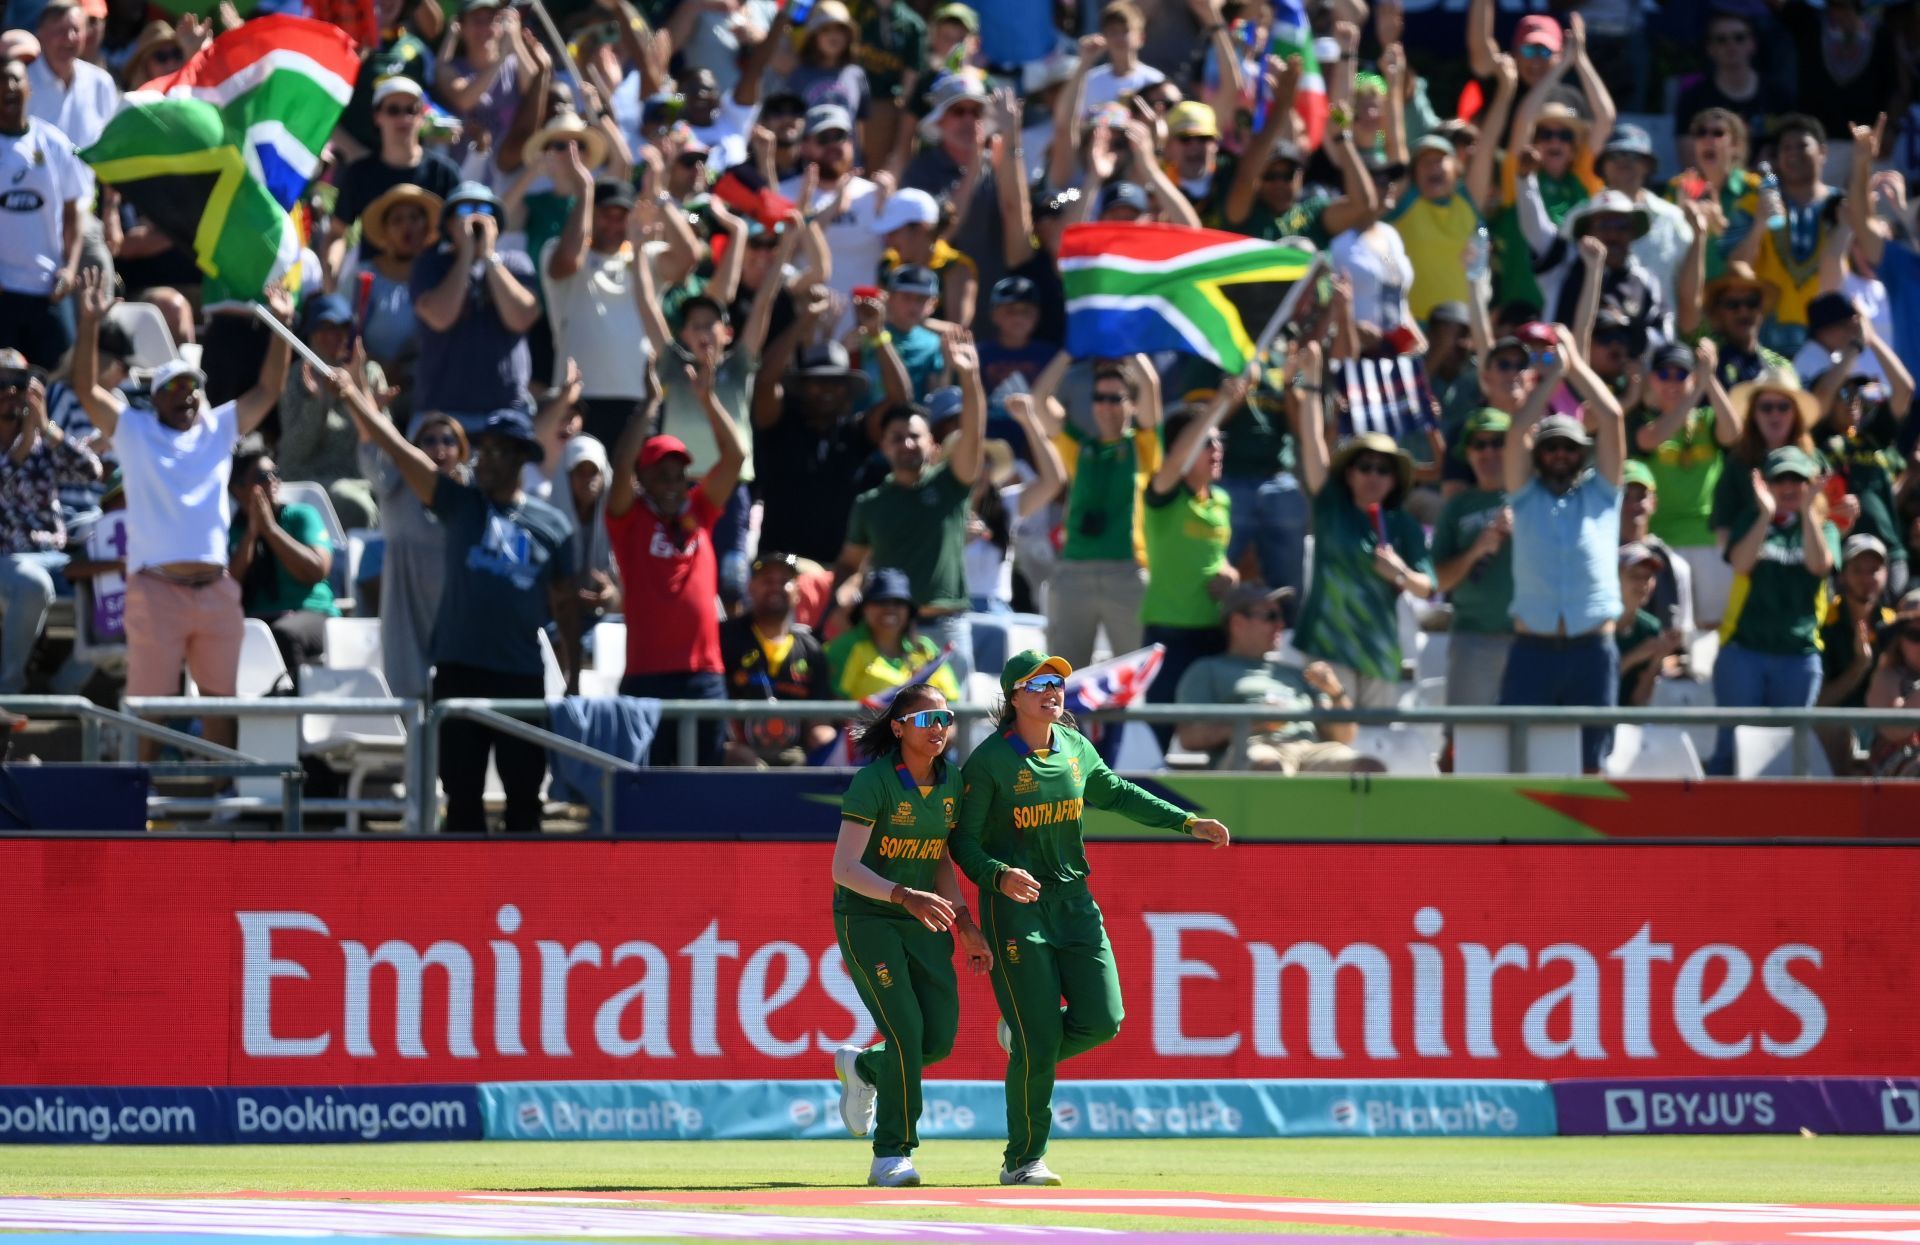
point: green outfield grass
(1653, 1169)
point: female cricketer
(895, 899)
(1019, 838)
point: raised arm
(1051, 475)
(1744, 554)
(1592, 85)
(753, 334)
(1857, 208)
(1493, 121)
(102, 405)
(1282, 77)
(570, 177)
(1306, 403)
(721, 478)
(623, 490)
(1359, 201)
(409, 459)
(969, 452)
(1483, 50)
(725, 284)
(252, 407)
(1180, 455)
(1517, 460)
(1691, 278)
(646, 290)
(1610, 438)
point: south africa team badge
(883, 976)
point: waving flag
(1140, 288)
(1291, 35)
(1382, 395)
(1116, 682)
(216, 154)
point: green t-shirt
(921, 529)
(1836, 647)
(1686, 473)
(1023, 811)
(910, 830)
(1482, 599)
(887, 50)
(1352, 615)
(1186, 546)
(1865, 458)
(1777, 607)
(1645, 627)
(268, 589)
(1101, 502)
(1228, 680)
(1304, 219)
(1258, 441)
(1512, 258)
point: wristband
(1186, 827)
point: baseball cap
(1561, 428)
(612, 192)
(824, 117)
(172, 370)
(1244, 597)
(659, 447)
(945, 403)
(1628, 140)
(329, 309)
(1634, 552)
(1486, 419)
(1025, 664)
(1859, 543)
(1672, 354)
(1450, 312)
(913, 279)
(907, 207)
(1191, 117)
(770, 559)
(886, 583)
(1826, 310)
(396, 84)
(961, 13)
(511, 425)
(1122, 194)
(1009, 290)
(1633, 471)
(1433, 144)
(1538, 28)
(1791, 460)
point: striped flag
(1141, 288)
(1116, 682)
(217, 153)
(1382, 395)
(1291, 35)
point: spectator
(899, 317)
(37, 461)
(1896, 681)
(43, 210)
(917, 519)
(1775, 412)
(1680, 436)
(769, 656)
(475, 305)
(483, 76)
(1008, 504)
(1627, 166)
(957, 156)
(399, 110)
(1858, 437)
(399, 51)
(1721, 189)
(414, 555)
(1187, 525)
(280, 556)
(1854, 73)
(1770, 642)
(1810, 209)
(1473, 561)
(1033, 225)
(177, 459)
(1012, 360)
(883, 649)
(1244, 674)
(849, 203)
(909, 224)
(1373, 260)
(156, 53)
(1566, 533)
(596, 302)
(509, 575)
(662, 525)
(1268, 197)
(722, 124)
(70, 93)
(1674, 593)
(1598, 237)
(588, 474)
(1645, 647)
(316, 430)
(1193, 136)
(1731, 82)
(892, 51)
(1439, 224)
(1367, 550)
(1098, 582)
(1853, 635)
(1737, 303)
(826, 71)
(399, 224)
(1123, 32)
(1834, 323)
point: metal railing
(419, 750)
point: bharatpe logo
(1066, 1116)
(1403, 1119)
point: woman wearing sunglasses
(896, 907)
(1020, 841)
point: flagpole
(305, 351)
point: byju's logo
(1900, 1109)
(1626, 1111)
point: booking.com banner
(329, 962)
(758, 1110)
(247, 1116)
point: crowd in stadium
(745, 324)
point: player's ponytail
(874, 738)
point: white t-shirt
(1380, 272)
(178, 507)
(1104, 85)
(80, 111)
(856, 248)
(597, 323)
(39, 176)
(726, 136)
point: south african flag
(1141, 288)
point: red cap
(1537, 333)
(1537, 28)
(660, 447)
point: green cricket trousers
(1052, 948)
(904, 972)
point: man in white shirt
(849, 204)
(592, 293)
(1124, 30)
(42, 184)
(175, 461)
(75, 95)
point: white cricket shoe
(1003, 1035)
(1036, 1172)
(894, 1172)
(856, 1096)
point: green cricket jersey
(1023, 811)
(910, 830)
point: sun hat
(373, 219)
(1375, 443)
(951, 89)
(1780, 381)
(593, 144)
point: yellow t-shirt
(1147, 453)
(1436, 235)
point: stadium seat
(307, 493)
(358, 540)
(1484, 749)
(262, 673)
(1767, 752)
(146, 325)
(556, 677)
(1653, 752)
(359, 746)
(1403, 749)
(610, 651)
(354, 644)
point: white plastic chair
(361, 745)
(353, 644)
(610, 651)
(1767, 752)
(307, 493)
(556, 687)
(1402, 749)
(1653, 752)
(262, 670)
(146, 324)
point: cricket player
(896, 906)
(1019, 838)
